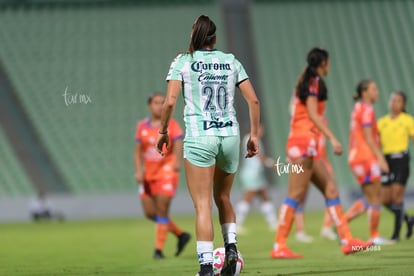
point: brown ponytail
(203, 33)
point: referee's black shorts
(399, 164)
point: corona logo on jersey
(200, 66)
(208, 77)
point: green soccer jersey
(209, 81)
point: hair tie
(211, 36)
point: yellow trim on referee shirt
(395, 133)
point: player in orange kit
(394, 130)
(365, 157)
(159, 180)
(305, 128)
(326, 230)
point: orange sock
(327, 220)
(359, 207)
(335, 210)
(300, 220)
(286, 216)
(374, 218)
(162, 225)
(173, 228)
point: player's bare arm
(173, 89)
(312, 108)
(249, 95)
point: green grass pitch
(125, 247)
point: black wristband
(162, 133)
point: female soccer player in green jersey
(209, 79)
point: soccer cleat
(410, 224)
(158, 254)
(230, 260)
(205, 270)
(303, 237)
(355, 245)
(183, 239)
(328, 234)
(382, 241)
(284, 253)
(395, 239)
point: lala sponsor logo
(215, 124)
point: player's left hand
(162, 140)
(337, 147)
(252, 147)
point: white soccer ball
(218, 261)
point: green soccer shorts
(205, 151)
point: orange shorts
(165, 186)
(366, 172)
(302, 147)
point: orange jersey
(300, 124)
(157, 166)
(363, 115)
